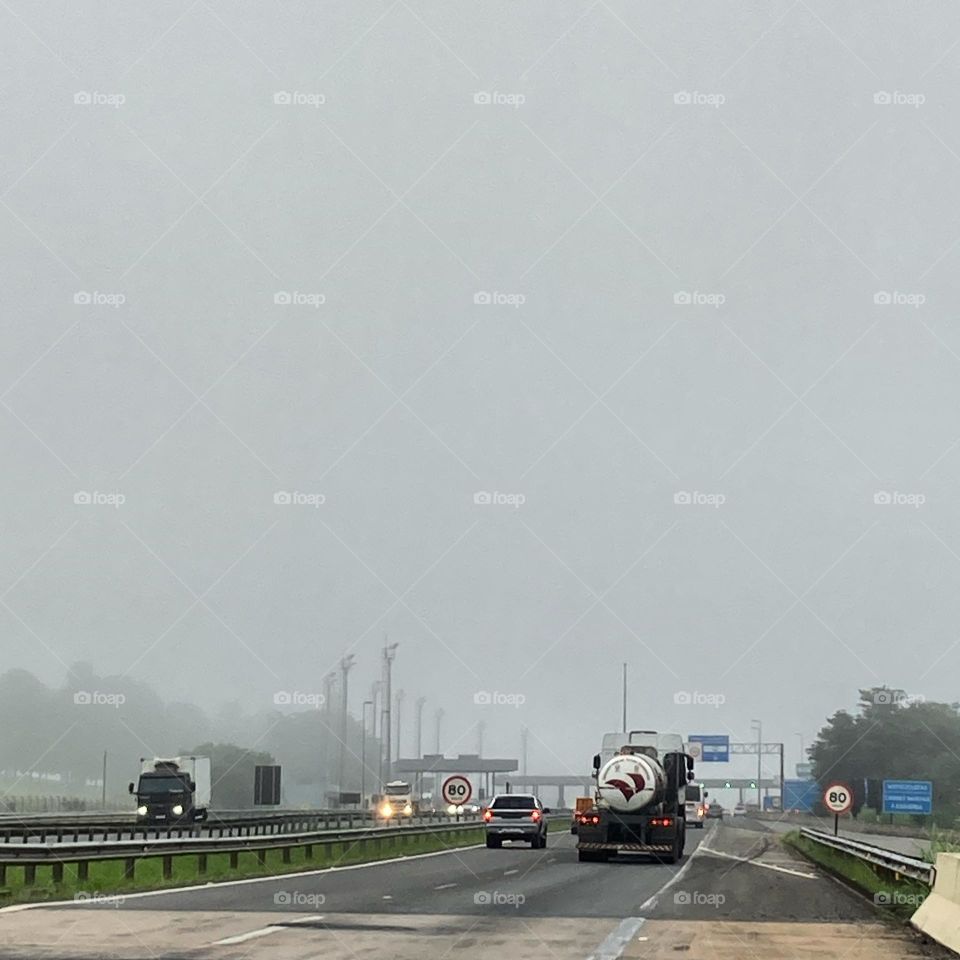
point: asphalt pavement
(737, 884)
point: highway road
(738, 894)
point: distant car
(714, 811)
(516, 816)
(740, 810)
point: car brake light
(487, 814)
(535, 815)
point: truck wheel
(494, 843)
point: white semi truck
(172, 789)
(639, 804)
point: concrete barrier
(939, 915)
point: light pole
(759, 727)
(389, 652)
(524, 737)
(438, 716)
(481, 726)
(398, 706)
(375, 696)
(624, 698)
(803, 754)
(363, 752)
(345, 664)
(418, 753)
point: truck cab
(397, 800)
(172, 791)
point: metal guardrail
(93, 827)
(887, 859)
(57, 855)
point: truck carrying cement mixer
(640, 798)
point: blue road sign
(907, 796)
(715, 746)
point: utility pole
(418, 753)
(375, 695)
(524, 737)
(624, 698)
(363, 753)
(389, 652)
(103, 783)
(438, 716)
(345, 664)
(481, 726)
(759, 727)
(398, 706)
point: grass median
(106, 878)
(898, 897)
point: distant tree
(231, 773)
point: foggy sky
(599, 200)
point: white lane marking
(236, 883)
(446, 886)
(757, 863)
(244, 937)
(386, 896)
(616, 941)
(651, 902)
(263, 931)
(510, 873)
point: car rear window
(514, 803)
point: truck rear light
(661, 822)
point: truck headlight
(408, 809)
(177, 809)
(142, 810)
(386, 810)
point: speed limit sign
(838, 798)
(457, 790)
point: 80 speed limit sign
(457, 790)
(838, 798)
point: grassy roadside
(899, 898)
(106, 880)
